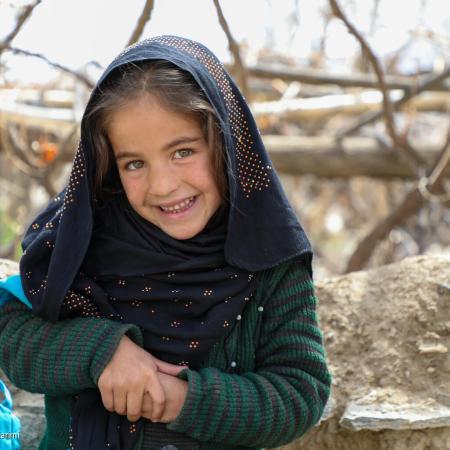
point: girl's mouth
(176, 210)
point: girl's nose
(162, 181)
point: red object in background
(49, 151)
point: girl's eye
(134, 165)
(183, 153)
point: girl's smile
(165, 166)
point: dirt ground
(387, 336)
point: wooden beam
(319, 77)
(324, 157)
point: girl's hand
(132, 373)
(175, 391)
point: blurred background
(351, 97)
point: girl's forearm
(58, 358)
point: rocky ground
(387, 336)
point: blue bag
(9, 423)
(13, 285)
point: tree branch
(142, 21)
(77, 75)
(424, 190)
(428, 83)
(400, 142)
(234, 49)
(320, 77)
(16, 156)
(355, 156)
(23, 17)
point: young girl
(170, 281)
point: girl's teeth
(179, 206)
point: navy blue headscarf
(97, 258)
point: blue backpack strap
(7, 402)
(9, 422)
(13, 285)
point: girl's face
(165, 166)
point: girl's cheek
(131, 185)
(202, 169)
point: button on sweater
(265, 384)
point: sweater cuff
(108, 347)
(186, 417)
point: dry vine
(234, 49)
(142, 21)
(23, 17)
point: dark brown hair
(175, 89)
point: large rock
(387, 336)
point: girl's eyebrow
(169, 145)
(181, 140)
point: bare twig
(424, 190)
(26, 13)
(374, 17)
(401, 143)
(26, 166)
(234, 48)
(142, 21)
(430, 82)
(438, 171)
(77, 75)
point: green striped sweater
(263, 386)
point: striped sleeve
(286, 395)
(58, 358)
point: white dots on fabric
(239, 317)
(252, 173)
(260, 308)
(233, 364)
(75, 301)
(42, 286)
(77, 173)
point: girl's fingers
(147, 407)
(120, 402)
(134, 405)
(158, 397)
(167, 368)
(107, 398)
